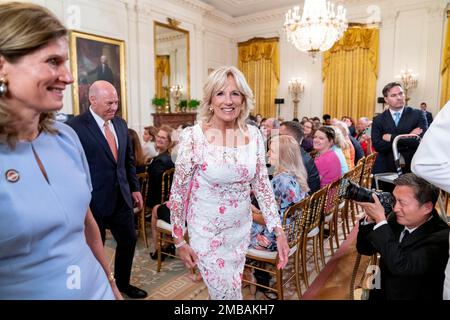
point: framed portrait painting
(96, 58)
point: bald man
(115, 188)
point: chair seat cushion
(166, 226)
(265, 254)
(313, 232)
(329, 217)
(163, 225)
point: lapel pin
(12, 175)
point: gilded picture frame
(92, 58)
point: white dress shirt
(100, 123)
(394, 112)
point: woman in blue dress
(50, 245)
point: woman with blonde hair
(345, 143)
(50, 243)
(289, 184)
(339, 147)
(218, 160)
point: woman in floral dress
(219, 161)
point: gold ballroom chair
(312, 231)
(163, 228)
(293, 224)
(140, 213)
(366, 178)
(330, 217)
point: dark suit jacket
(429, 117)
(311, 170)
(109, 179)
(155, 170)
(383, 123)
(413, 269)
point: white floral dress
(211, 192)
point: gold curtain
(260, 63)
(162, 69)
(445, 71)
(349, 73)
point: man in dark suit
(428, 114)
(412, 241)
(295, 130)
(115, 187)
(397, 119)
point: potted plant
(159, 103)
(193, 104)
(183, 105)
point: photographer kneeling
(412, 241)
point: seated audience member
(308, 130)
(271, 125)
(339, 146)
(139, 159)
(348, 149)
(363, 135)
(412, 241)
(161, 211)
(317, 123)
(350, 124)
(148, 148)
(326, 120)
(294, 129)
(326, 160)
(160, 163)
(289, 186)
(258, 119)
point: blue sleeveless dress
(43, 249)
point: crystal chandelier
(318, 27)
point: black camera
(352, 191)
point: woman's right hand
(116, 291)
(188, 256)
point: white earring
(3, 86)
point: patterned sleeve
(179, 192)
(262, 188)
(284, 190)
